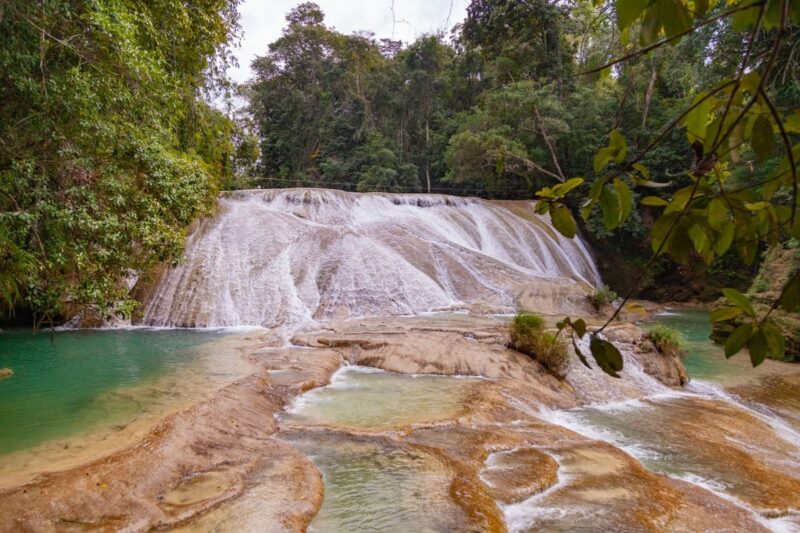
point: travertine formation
(501, 457)
(282, 257)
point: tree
(733, 117)
(108, 148)
(520, 40)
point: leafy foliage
(670, 127)
(529, 336)
(724, 121)
(667, 340)
(602, 297)
(108, 148)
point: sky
(263, 20)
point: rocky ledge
(194, 466)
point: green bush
(667, 340)
(602, 297)
(527, 321)
(529, 337)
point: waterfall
(275, 257)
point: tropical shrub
(529, 336)
(109, 146)
(602, 297)
(667, 340)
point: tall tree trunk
(427, 153)
(549, 144)
(648, 97)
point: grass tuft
(529, 337)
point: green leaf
(628, 11)
(675, 16)
(790, 298)
(792, 122)
(699, 238)
(756, 206)
(682, 197)
(772, 18)
(580, 327)
(607, 356)
(596, 189)
(739, 300)
(562, 189)
(763, 139)
(758, 346)
(602, 158)
(794, 12)
(661, 228)
(653, 201)
(625, 199)
(541, 208)
(725, 313)
(609, 203)
(717, 213)
(776, 342)
(697, 120)
(651, 26)
(643, 170)
(616, 150)
(546, 192)
(562, 220)
(724, 239)
(736, 341)
(701, 7)
(744, 19)
(618, 143)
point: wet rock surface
(494, 461)
(188, 464)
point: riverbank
(502, 460)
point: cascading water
(288, 256)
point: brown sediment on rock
(624, 496)
(198, 467)
(747, 455)
(667, 368)
(780, 392)
(227, 438)
(518, 474)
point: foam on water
(521, 516)
(282, 257)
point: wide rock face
(494, 463)
(282, 257)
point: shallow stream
(76, 394)
(374, 483)
(714, 433)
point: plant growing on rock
(668, 341)
(602, 297)
(529, 336)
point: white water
(284, 257)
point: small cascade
(288, 256)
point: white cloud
(263, 20)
